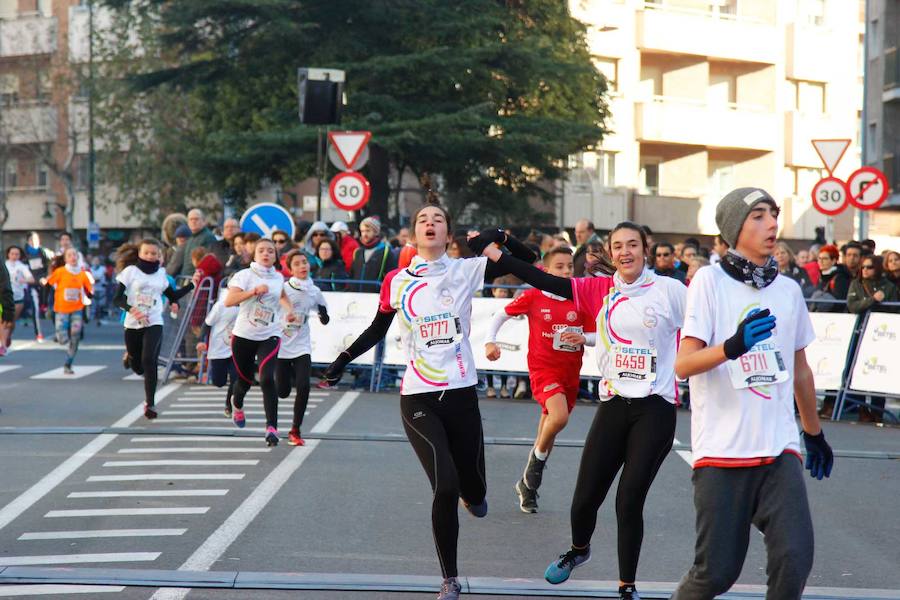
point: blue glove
(756, 327)
(819, 457)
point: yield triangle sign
(349, 145)
(830, 151)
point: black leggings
(444, 429)
(637, 433)
(245, 354)
(299, 369)
(143, 355)
(222, 371)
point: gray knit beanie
(733, 209)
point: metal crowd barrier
(173, 350)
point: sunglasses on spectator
(280, 241)
(663, 254)
(319, 234)
(868, 267)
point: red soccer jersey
(548, 316)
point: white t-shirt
(258, 318)
(19, 275)
(221, 321)
(434, 304)
(305, 297)
(728, 419)
(637, 332)
(145, 292)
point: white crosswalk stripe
(80, 371)
(147, 493)
(189, 450)
(70, 559)
(126, 512)
(8, 368)
(99, 533)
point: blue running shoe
(560, 569)
(476, 510)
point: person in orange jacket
(72, 284)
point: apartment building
(43, 118)
(709, 95)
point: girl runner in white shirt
(19, 277)
(217, 329)
(139, 293)
(438, 401)
(258, 290)
(294, 356)
(638, 317)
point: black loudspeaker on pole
(321, 95)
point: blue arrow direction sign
(266, 217)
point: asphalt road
(168, 495)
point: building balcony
(28, 124)
(810, 53)
(801, 128)
(672, 214)
(891, 76)
(27, 36)
(676, 121)
(610, 27)
(675, 30)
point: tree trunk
(379, 178)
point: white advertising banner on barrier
(351, 314)
(878, 356)
(828, 353)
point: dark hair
(290, 256)
(62, 233)
(557, 250)
(446, 218)
(21, 252)
(335, 250)
(149, 242)
(251, 237)
(284, 233)
(876, 262)
(633, 227)
(57, 261)
(464, 250)
(692, 241)
(126, 255)
(647, 231)
(851, 245)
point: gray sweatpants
(728, 500)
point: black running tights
(298, 370)
(247, 354)
(143, 355)
(634, 433)
(444, 429)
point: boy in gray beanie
(744, 376)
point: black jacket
(6, 295)
(333, 269)
(382, 261)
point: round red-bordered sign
(867, 188)
(830, 196)
(349, 191)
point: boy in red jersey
(557, 333)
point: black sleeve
(6, 295)
(204, 332)
(530, 274)
(175, 295)
(371, 336)
(516, 249)
(119, 298)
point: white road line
(147, 493)
(219, 405)
(198, 450)
(192, 438)
(225, 422)
(180, 463)
(167, 477)
(68, 559)
(18, 589)
(195, 412)
(216, 544)
(7, 368)
(687, 455)
(126, 512)
(80, 371)
(99, 533)
(27, 499)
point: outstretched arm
(530, 274)
(368, 338)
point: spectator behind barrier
(346, 243)
(851, 255)
(812, 267)
(584, 235)
(332, 267)
(892, 267)
(867, 292)
(664, 262)
(201, 237)
(696, 263)
(834, 281)
(787, 266)
(373, 259)
(224, 248)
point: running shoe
(476, 510)
(294, 438)
(150, 411)
(521, 390)
(491, 392)
(126, 361)
(228, 412)
(2, 350)
(504, 392)
(67, 369)
(271, 436)
(527, 498)
(239, 419)
(450, 589)
(628, 592)
(39, 339)
(534, 471)
(560, 569)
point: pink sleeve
(589, 293)
(384, 299)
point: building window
(872, 34)
(9, 90)
(42, 176)
(9, 177)
(721, 177)
(805, 180)
(872, 141)
(813, 11)
(648, 178)
(610, 69)
(82, 175)
(606, 169)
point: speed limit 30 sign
(349, 190)
(830, 196)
